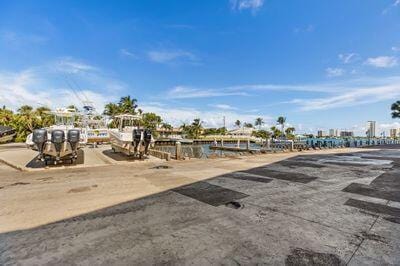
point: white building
(243, 132)
(371, 129)
(394, 133)
(333, 132)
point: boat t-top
(129, 138)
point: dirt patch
(300, 257)
(78, 189)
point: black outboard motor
(58, 138)
(147, 140)
(137, 137)
(73, 137)
(39, 137)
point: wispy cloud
(223, 106)
(396, 48)
(396, 3)
(334, 72)
(253, 5)
(73, 66)
(347, 58)
(172, 57)
(211, 118)
(182, 92)
(127, 53)
(308, 28)
(382, 61)
(16, 39)
(353, 95)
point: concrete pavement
(313, 208)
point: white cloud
(308, 28)
(172, 57)
(395, 48)
(382, 61)
(57, 84)
(15, 39)
(352, 97)
(127, 53)
(177, 116)
(181, 92)
(70, 65)
(334, 72)
(347, 58)
(252, 5)
(223, 106)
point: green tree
(261, 134)
(127, 105)
(249, 125)
(281, 121)
(275, 132)
(111, 109)
(395, 109)
(238, 123)
(289, 132)
(259, 122)
(166, 126)
(151, 121)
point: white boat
(94, 125)
(61, 141)
(128, 137)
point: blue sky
(322, 64)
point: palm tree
(25, 109)
(111, 109)
(275, 132)
(238, 123)
(290, 130)
(281, 121)
(249, 125)
(167, 126)
(395, 109)
(259, 122)
(127, 105)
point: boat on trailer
(94, 125)
(128, 137)
(60, 142)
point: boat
(128, 137)
(6, 134)
(59, 142)
(94, 125)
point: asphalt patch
(288, 176)
(248, 178)
(373, 237)
(395, 220)
(210, 194)
(373, 207)
(296, 164)
(369, 191)
(303, 257)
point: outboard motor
(58, 138)
(73, 137)
(39, 137)
(137, 137)
(147, 140)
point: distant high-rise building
(394, 133)
(371, 129)
(333, 132)
(346, 133)
(321, 133)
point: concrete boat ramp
(16, 155)
(333, 207)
